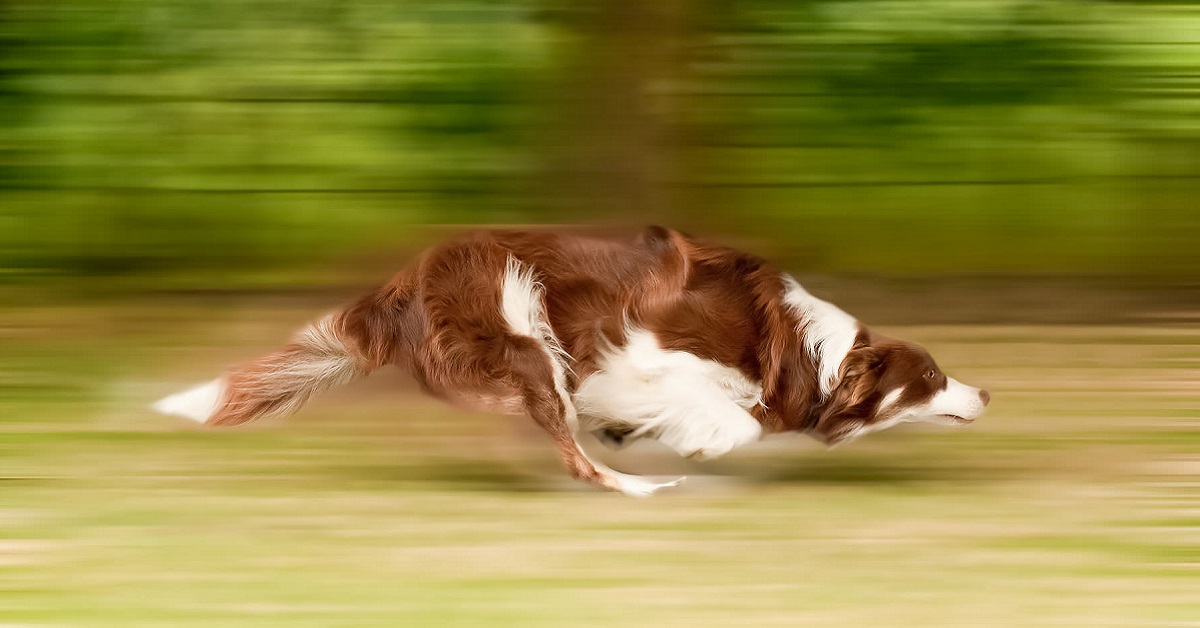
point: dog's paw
(635, 486)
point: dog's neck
(792, 397)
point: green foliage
(190, 139)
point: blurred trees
(184, 140)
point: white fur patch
(889, 399)
(697, 407)
(196, 403)
(523, 308)
(633, 485)
(958, 399)
(829, 332)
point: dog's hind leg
(547, 403)
(531, 372)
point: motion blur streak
(1012, 184)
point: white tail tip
(196, 404)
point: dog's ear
(861, 371)
(671, 270)
(849, 405)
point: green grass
(1072, 503)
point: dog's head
(884, 381)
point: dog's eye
(930, 374)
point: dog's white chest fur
(697, 407)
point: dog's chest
(692, 404)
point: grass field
(1074, 502)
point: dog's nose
(985, 396)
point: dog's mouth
(955, 419)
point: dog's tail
(336, 350)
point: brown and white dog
(701, 347)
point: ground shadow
(862, 471)
(444, 474)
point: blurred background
(1015, 184)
